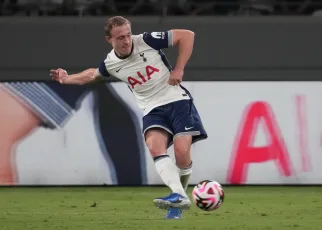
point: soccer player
(170, 116)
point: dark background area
(226, 48)
(235, 39)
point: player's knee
(182, 150)
(156, 140)
(156, 146)
(182, 147)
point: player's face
(121, 39)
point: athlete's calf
(182, 149)
(157, 141)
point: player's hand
(175, 77)
(59, 75)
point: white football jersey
(146, 71)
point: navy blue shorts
(177, 118)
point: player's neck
(124, 56)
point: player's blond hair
(114, 22)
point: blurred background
(255, 75)
(159, 7)
(258, 60)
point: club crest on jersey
(150, 70)
(158, 35)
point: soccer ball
(208, 195)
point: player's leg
(182, 149)
(182, 146)
(188, 129)
(16, 121)
(157, 141)
(158, 136)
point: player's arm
(87, 76)
(184, 40)
(81, 78)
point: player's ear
(108, 39)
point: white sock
(169, 173)
(185, 176)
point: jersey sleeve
(158, 40)
(102, 71)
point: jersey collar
(125, 57)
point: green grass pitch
(132, 208)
